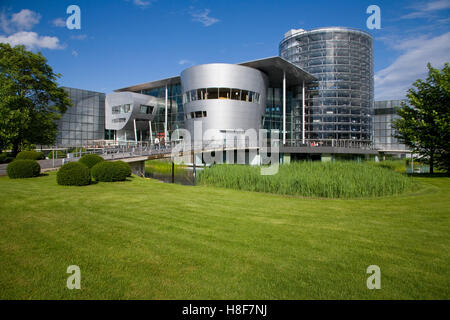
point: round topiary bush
(90, 160)
(23, 169)
(109, 171)
(125, 167)
(73, 174)
(30, 155)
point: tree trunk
(15, 149)
(431, 162)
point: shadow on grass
(429, 175)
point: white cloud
(32, 40)
(393, 81)
(185, 61)
(141, 3)
(425, 10)
(25, 19)
(59, 22)
(74, 53)
(203, 17)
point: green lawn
(143, 239)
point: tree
(424, 123)
(30, 99)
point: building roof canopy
(273, 67)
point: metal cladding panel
(135, 100)
(225, 114)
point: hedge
(110, 171)
(23, 169)
(90, 160)
(30, 155)
(125, 167)
(73, 174)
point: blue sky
(125, 42)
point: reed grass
(311, 179)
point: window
(196, 114)
(224, 93)
(193, 96)
(119, 120)
(213, 93)
(244, 95)
(221, 93)
(146, 109)
(125, 108)
(235, 94)
(201, 94)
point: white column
(135, 132)
(284, 107)
(303, 112)
(165, 117)
(151, 133)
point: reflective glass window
(212, 93)
(224, 93)
(236, 94)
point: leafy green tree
(424, 125)
(30, 99)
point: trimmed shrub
(23, 169)
(90, 160)
(30, 155)
(5, 158)
(109, 171)
(73, 174)
(125, 167)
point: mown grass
(311, 179)
(142, 239)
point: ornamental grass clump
(310, 179)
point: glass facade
(84, 122)
(175, 113)
(384, 114)
(273, 116)
(340, 104)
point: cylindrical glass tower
(340, 105)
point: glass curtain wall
(340, 104)
(384, 115)
(175, 113)
(273, 116)
(84, 122)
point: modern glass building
(384, 115)
(84, 122)
(227, 98)
(339, 106)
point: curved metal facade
(220, 112)
(340, 103)
(124, 110)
